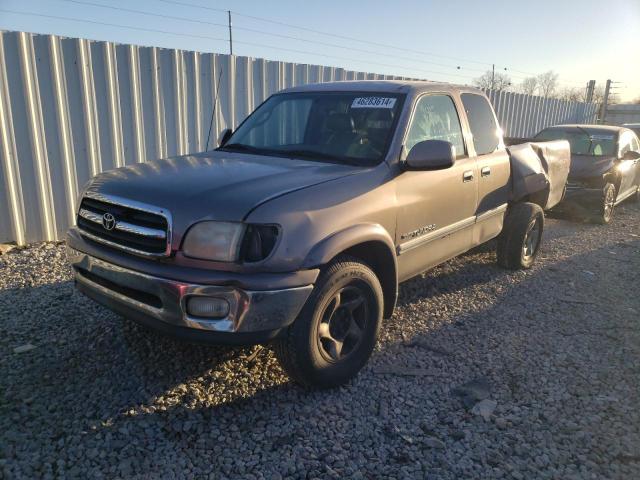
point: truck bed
(539, 171)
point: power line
(360, 50)
(142, 12)
(319, 32)
(352, 59)
(94, 22)
(354, 39)
(207, 37)
(56, 17)
(524, 74)
(289, 37)
(186, 4)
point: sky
(443, 40)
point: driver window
(436, 118)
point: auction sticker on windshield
(373, 102)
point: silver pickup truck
(299, 227)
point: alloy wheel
(609, 202)
(343, 322)
(531, 239)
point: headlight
(625, 166)
(219, 241)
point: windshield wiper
(310, 154)
(588, 136)
(240, 147)
(318, 155)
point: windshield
(354, 128)
(583, 142)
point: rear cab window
(482, 123)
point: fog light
(207, 307)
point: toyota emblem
(108, 221)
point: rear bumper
(254, 315)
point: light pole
(230, 35)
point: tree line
(545, 85)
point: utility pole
(591, 86)
(605, 102)
(230, 35)
(586, 91)
(493, 76)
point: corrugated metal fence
(623, 113)
(71, 108)
(522, 115)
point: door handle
(467, 176)
(486, 171)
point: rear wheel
(608, 205)
(521, 236)
(334, 335)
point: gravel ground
(481, 373)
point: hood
(214, 185)
(585, 166)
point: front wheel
(334, 335)
(521, 237)
(608, 205)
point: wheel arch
(369, 243)
(540, 198)
(614, 178)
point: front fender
(338, 242)
(372, 244)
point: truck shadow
(475, 267)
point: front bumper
(254, 316)
(581, 200)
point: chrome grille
(135, 227)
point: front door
(627, 168)
(436, 209)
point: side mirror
(224, 137)
(431, 155)
(631, 155)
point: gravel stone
(101, 397)
(473, 391)
(484, 408)
(24, 348)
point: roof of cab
(386, 86)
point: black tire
(313, 350)
(605, 214)
(521, 237)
